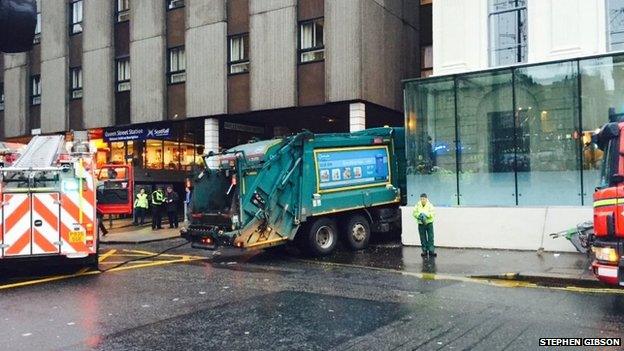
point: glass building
(515, 136)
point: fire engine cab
(49, 202)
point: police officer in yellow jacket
(424, 214)
(158, 198)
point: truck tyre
(322, 237)
(356, 232)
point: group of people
(161, 202)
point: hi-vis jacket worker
(424, 213)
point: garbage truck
(310, 189)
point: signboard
(358, 167)
(137, 133)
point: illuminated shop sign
(137, 133)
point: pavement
(186, 299)
(138, 235)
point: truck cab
(608, 241)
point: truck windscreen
(609, 163)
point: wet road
(277, 301)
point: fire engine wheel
(322, 237)
(356, 232)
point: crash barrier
(513, 228)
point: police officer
(141, 203)
(424, 214)
(158, 197)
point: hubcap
(358, 232)
(324, 237)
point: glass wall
(431, 139)
(513, 136)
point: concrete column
(357, 116)
(272, 53)
(98, 68)
(54, 65)
(16, 83)
(147, 61)
(206, 57)
(211, 136)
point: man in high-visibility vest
(424, 214)
(158, 197)
(141, 204)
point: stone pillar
(211, 136)
(357, 116)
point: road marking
(111, 253)
(503, 283)
(107, 255)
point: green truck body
(311, 188)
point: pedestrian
(171, 203)
(100, 219)
(424, 214)
(141, 204)
(187, 203)
(158, 198)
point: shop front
(160, 153)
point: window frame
(176, 4)
(522, 48)
(124, 82)
(37, 36)
(242, 62)
(2, 96)
(122, 15)
(75, 92)
(35, 99)
(171, 74)
(316, 48)
(75, 28)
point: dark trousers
(101, 227)
(173, 219)
(156, 217)
(139, 215)
(426, 237)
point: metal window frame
(609, 32)
(75, 93)
(231, 63)
(519, 45)
(179, 72)
(175, 6)
(316, 48)
(119, 82)
(35, 99)
(73, 25)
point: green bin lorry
(313, 189)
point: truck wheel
(356, 232)
(322, 237)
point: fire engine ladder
(41, 152)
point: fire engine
(49, 201)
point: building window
(123, 74)
(177, 65)
(35, 90)
(37, 37)
(238, 61)
(1, 96)
(76, 17)
(615, 24)
(508, 31)
(311, 43)
(75, 75)
(123, 10)
(426, 61)
(174, 4)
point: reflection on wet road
(277, 301)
